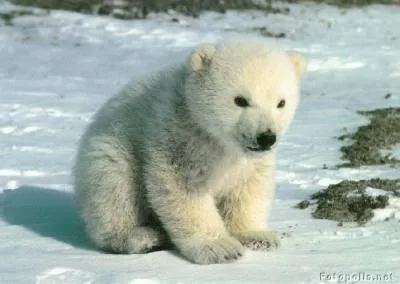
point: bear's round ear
(299, 62)
(201, 57)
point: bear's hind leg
(142, 239)
(113, 206)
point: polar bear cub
(186, 157)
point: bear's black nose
(266, 139)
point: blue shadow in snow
(47, 212)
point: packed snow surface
(58, 68)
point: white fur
(167, 161)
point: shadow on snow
(47, 212)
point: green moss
(303, 204)
(361, 2)
(371, 143)
(348, 201)
(133, 9)
(349, 3)
(74, 5)
(141, 8)
(265, 32)
(8, 17)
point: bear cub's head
(244, 93)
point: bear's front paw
(259, 240)
(209, 251)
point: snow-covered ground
(57, 68)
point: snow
(374, 192)
(57, 68)
(392, 211)
(396, 152)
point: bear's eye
(281, 104)
(241, 102)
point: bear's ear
(299, 62)
(201, 57)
